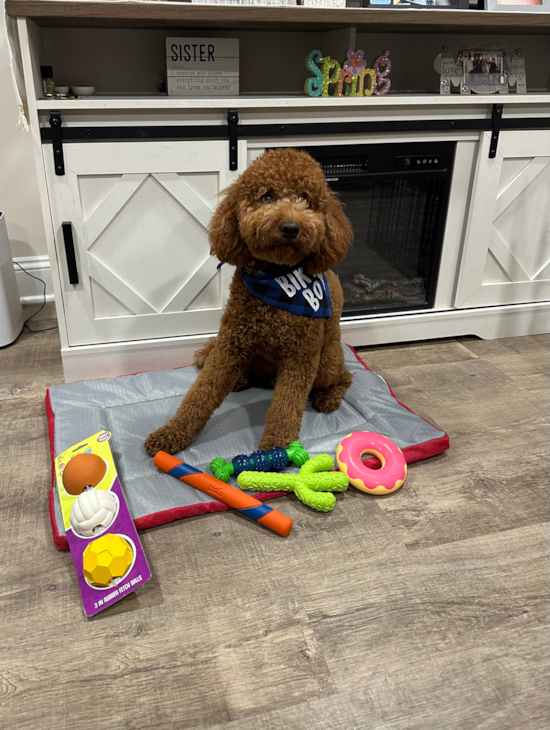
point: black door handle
(69, 251)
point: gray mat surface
(132, 406)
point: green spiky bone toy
(313, 485)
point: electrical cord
(25, 324)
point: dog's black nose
(289, 230)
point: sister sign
(202, 66)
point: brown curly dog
(280, 211)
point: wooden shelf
(112, 14)
(289, 102)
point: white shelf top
(288, 102)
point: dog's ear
(226, 242)
(338, 238)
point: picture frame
(482, 69)
(518, 6)
(419, 4)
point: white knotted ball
(93, 512)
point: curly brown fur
(300, 355)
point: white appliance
(11, 311)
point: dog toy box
(106, 550)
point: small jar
(48, 84)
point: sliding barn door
(506, 256)
(137, 213)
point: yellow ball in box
(106, 559)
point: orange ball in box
(83, 470)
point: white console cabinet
(139, 213)
(506, 257)
(141, 291)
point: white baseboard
(87, 362)
(488, 323)
(31, 291)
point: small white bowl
(62, 89)
(83, 90)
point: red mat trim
(411, 453)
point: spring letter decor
(352, 78)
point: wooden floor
(425, 610)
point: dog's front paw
(284, 439)
(326, 401)
(168, 438)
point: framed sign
(519, 6)
(202, 66)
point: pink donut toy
(385, 480)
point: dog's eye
(307, 201)
(268, 198)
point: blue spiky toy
(276, 459)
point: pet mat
(132, 406)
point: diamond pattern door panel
(506, 256)
(140, 213)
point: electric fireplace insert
(396, 197)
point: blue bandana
(304, 294)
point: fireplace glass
(396, 197)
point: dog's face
(281, 210)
